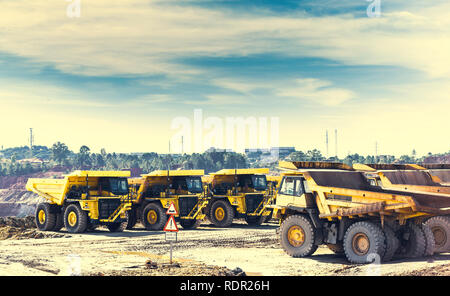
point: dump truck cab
(331, 203)
(239, 193)
(153, 193)
(82, 201)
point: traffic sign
(171, 236)
(172, 209)
(171, 225)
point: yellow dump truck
(330, 203)
(415, 178)
(239, 193)
(153, 193)
(83, 200)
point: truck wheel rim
(72, 219)
(439, 236)
(220, 214)
(296, 236)
(360, 244)
(41, 216)
(152, 217)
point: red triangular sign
(172, 210)
(171, 225)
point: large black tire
(412, 241)
(132, 218)
(75, 219)
(429, 240)
(154, 217)
(221, 213)
(190, 223)
(362, 240)
(336, 248)
(392, 243)
(45, 217)
(255, 220)
(297, 236)
(440, 227)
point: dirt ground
(239, 250)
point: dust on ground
(440, 270)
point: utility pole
(336, 143)
(376, 151)
(31, 141)
(326, 140)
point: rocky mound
(22, 228)
(15, 200)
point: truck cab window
(194, 185)
(298, 187)
(305, 185)
(259, 182)
(288, 186)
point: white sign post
(171, 227)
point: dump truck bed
(443, 175)
(55, 190)
(409, 177)
(420, 181)
(351, 190)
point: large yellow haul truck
(83, 200)
(415, 178)
(239, 193)
(153, 193)
(327, 203)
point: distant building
(279, 152)
(213, 149)
(32, 160)
(282, 151)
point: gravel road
(204, 251)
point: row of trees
(59, 155)
(19, 169)
(209, 161)
(316, 155)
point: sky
(135, 75)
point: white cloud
(316, 90)
(142, 37)
(239, 86)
